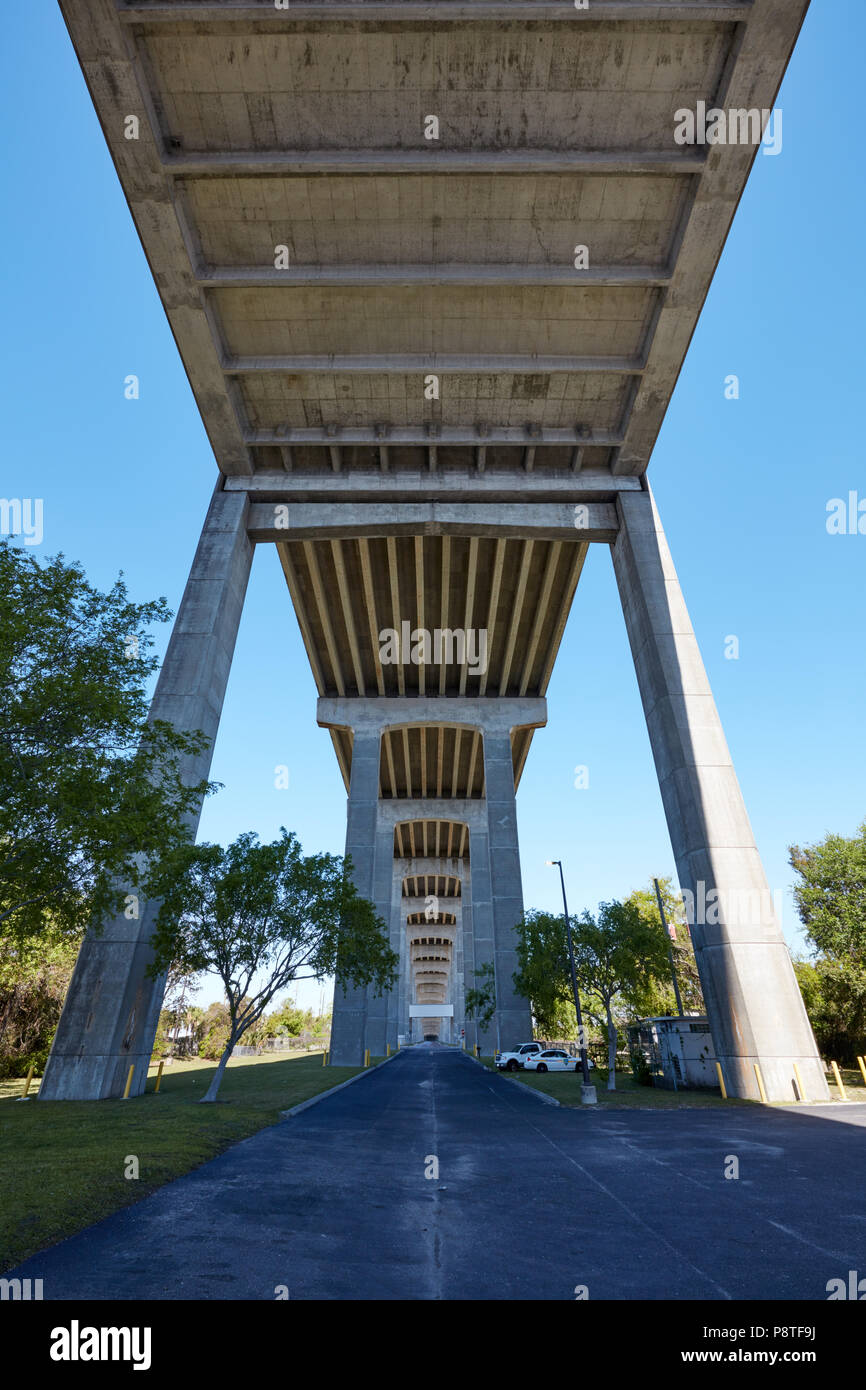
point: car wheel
(541, 1067)
(512, 1065)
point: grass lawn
(629, 1095)
(62, 1162)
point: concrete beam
(492, 485)
(462, 363)
(374, 276)
(429, 11)
(459, 810)
(282, 521)
(464, 436)
(236, 164)
(484, 714)
(423, 866)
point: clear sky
(742, 487)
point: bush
(834, 992)
(216, 1026)
(34, 979)
(640, 1069)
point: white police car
(554, 1059)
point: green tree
(614, 952)
(195, 1023)
(834, 992)
(321, 1025)
(175, 1012)
(34, 978)
(215, 1031)
(480, 1002)
(831, 893)
(162, 1043)
(621, 964)
(257, 914)
(84, 797)
(543, 975)
(291, 1020)
(653, 996)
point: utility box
(678, 1051)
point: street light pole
(584, 1065)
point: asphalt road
(530, 1201)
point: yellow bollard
(838, 1080)
(27, 1082)
(159, 1077)
(800, 1087)
(387, 1049)
(324, 1059)
(861, 1061)
(366, 1057)
(721, 1082)
(760, 1080)
(128, 1082)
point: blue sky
(742, 487)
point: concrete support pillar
(482, 929)
(458, 968)
(467, 974)
(755, 1009)
(513, 1014)
(349, 1024)
(112, 1007)
(379, 1006)
(398, 1000)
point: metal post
(670, 948)
(580, 1035)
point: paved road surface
(531, 1200)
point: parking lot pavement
(434, 1179)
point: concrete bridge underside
(432, 405)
